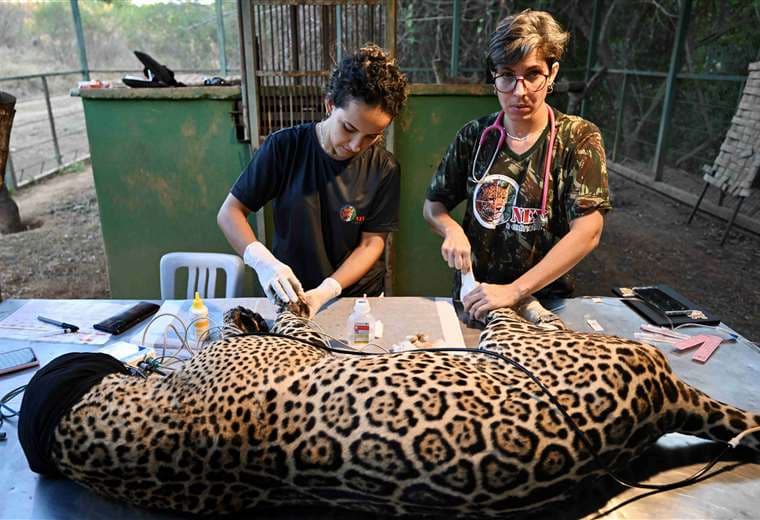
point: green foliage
(180, 35)
(11, 24)
(55, 38)
(76, 167)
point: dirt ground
(61, 255)
(645, 241)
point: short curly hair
(518, 35)
(371, 76)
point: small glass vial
(360, 327)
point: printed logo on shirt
(348, 214)
(494, 203)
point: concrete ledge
(690, 199)
(231, 92)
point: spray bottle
(199, 313)
(360, 327)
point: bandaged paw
(532, 310)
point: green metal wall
(425, 128)
(165, 159)
(162, 166)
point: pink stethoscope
(498, 126)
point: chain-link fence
(446, 42)
(48, 131)
(39, 52)
(628, 108)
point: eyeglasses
(533, 81)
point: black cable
(4, 406)
(604, 467)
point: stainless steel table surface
(731, 375)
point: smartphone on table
(15, 360)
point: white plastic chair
(202, 273)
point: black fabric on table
(51, 393)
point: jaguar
(277, 418)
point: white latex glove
(276, 278)
(323, 293)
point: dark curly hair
(371, 76)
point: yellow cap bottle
(199, 314)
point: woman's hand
(488, 296)
(456, 249)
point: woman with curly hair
(548, 169)
(335, 191)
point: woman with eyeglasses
(335, 191)
(535, 179)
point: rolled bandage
(468, 284)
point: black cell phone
(659, 299)
(126, 319)
(15, 360)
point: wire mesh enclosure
(445, 42)
(295, 45)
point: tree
(10, 222)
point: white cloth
(276, 278)
(323, 293)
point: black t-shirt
(322, 205)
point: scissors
(498, 126)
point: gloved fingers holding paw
(316, 298)
(276, 278)
(285, 286)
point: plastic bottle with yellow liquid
(199, 316)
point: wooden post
(390, 27)
(250, 89)
(10, 221)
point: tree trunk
(10, 221)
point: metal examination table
(731, 375)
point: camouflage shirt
(502, 220)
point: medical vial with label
(360, 327)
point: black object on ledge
(155, 74)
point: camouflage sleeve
(449, 183)
(588, 186)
